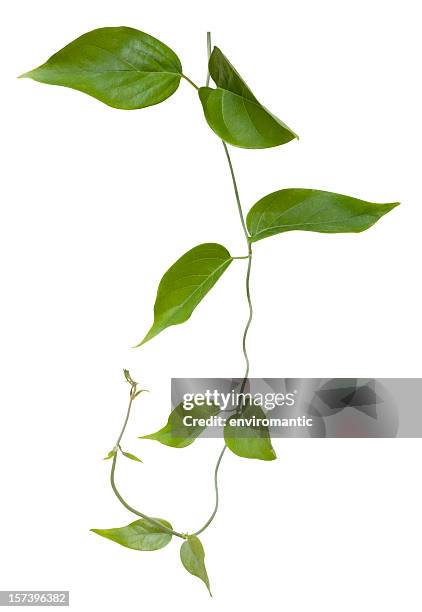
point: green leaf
(122, 67)
(185, 284)
(248, 437)
(110, 454)
(234, 113)
(140, 535)
(178, 435)
(130, 456)
(312, 211)
(192, 556)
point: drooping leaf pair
(234, 113)
(146, 536)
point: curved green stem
(236, 193)
(249, 299)
(113, 482)
(244, 343)
(214, 512)
(190, 81)
(249, 321)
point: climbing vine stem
(249, 299)
(134, 391)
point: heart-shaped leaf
(185, 284)
(312, 211)
(246, 436)
(122, 67)
(178, 433)
(234, 113)
(139, 535)
(192, 556)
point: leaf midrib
(272, 227)
(198, 289)
(143, 72)
(125, 61)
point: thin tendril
(113, 483)
(248, 296)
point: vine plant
(128, 69)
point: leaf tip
(30, 74)
(147, 437)
(148, 336)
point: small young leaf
(122, 67)
(185, 284)
(140, 535)
(178, 435)
(110, 455)
(130, 456)
(129, 377)
(234, 113)
(192, 556)
(249, 438)
(312, 211)
(139, 392)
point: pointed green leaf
(192, 556)
(312, 211)
(110, 454)
(185, 284)
(246, 436)
(234, 113)
(122, 67)
(178, 434)
(140, 535)
(130, 456)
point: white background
(97, 203)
